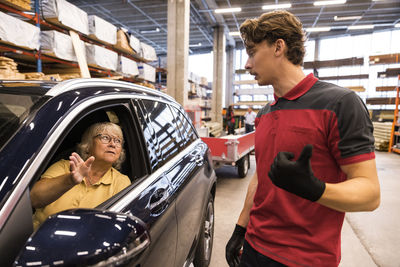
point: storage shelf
(396, 150)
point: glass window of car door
(164, 125)
(184, 126)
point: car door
(151, 198)
(193, 182)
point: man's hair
(276, 25)
(99, 128)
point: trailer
(232, 150)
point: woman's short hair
(276, 25)
(98, 128)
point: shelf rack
(395, 133)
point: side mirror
(85, 237)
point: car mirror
(85, 237)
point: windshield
(15, 106)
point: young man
(314, 153)
(249, 119)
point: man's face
(261, 62)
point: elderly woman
(84, 181)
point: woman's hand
(79, 168)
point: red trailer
(232, 150)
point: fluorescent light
(360, 27)
(195, 45)
(397, 25)
(346, 18)
(228, 10)
(234, 33)
(278, 6)
(325, 3)
(319, 29)
(150, 31)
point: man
(249, 119)
(314, 153)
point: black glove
(296, 176)
(234, 245)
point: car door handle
(159, 201)
(199, 160)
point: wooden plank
(80, 54)
(385, 88)
(384, 59)
(345, 77)
(381, 100)
(18, 4)
(352, 61)
(356, 88)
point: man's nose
(247, 66)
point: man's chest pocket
(294, 138)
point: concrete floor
(369, 239)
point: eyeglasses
(106, 139)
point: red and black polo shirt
(283, 226)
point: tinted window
(162, 121)
(14, 108)
(185, 127)
(149, 136)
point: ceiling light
(318, 29)
(150, 31)
(228, 10)
(397, 25)
(234, 33)
(278, 6)
(360, 27)
(325, 3)
(336, 18)
(195, 45)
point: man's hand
(296, 176)
(79, 168)
(234, 245)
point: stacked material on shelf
(24, 5)
(135, 43)
(18, 32)
(65, 14)
(101, 57)
(147, 72)
(34, 75)
(64, 73)
(58, 44)
(214, 128)
(127, 66)
(102, 30)
(123, 42)
(382, 132)
(147, 52)
(8, 69)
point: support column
(218, 74)
(230, 74)
(178, 49)
(316, 56)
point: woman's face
(107, 146)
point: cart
(232, 150)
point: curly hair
(87, 140)
(276, 25)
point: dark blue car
(164, 218)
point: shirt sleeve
(59, 168)
(351, 136)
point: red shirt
(283, 226)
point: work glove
(296, 176)
(235, 243)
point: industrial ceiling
(147, 19)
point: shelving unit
(394, 144)
(36, 60)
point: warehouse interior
(191, 50)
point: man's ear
(279, 46)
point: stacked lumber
(8, 69)
(63, 73)
(24, 5)
(382, 132)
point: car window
(185, 127)
(14, 108)
(162, 121)
(149, 135)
